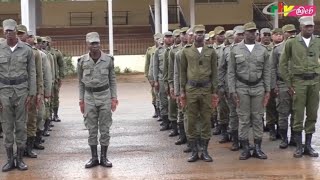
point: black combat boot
(284, 138)
(166, 123)
(46, 128)
(257, 152)
(55, 115)
(103, 159)
(272, 132)
(94, 161)
(29, 150)
(19, 161)
(245, 154)
(299, 148)
(292, 142)
(188, 148)
(224, 134)
(10, 162)
(182, 135)
(194, 156)
(217, 130)
(38, 141)
(204, 154)
(235, 143)
(308, 150)
(156, 114)
(174, 131)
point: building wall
(219, 13)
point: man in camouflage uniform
(51, 58)
(43, 113)
(284, 100)
(98, 97)
(186, 39)
(158, 74)
(35, 103)
(223, 86)
(198, 78)
(59, 75)
(300, 69)
(249, 76)
(271, 111)
(17, 89)
(148, 60)
(168, 72)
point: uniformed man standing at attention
(35, 103)
(198, 77)
(168, 76)
(148, 60)
(17, 89)
(98, 97)
(223, 87)
(249, 76)
(300, 69)
(284, 100)
(158, 69)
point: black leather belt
(198, 84)
(97, 89)
(307, 76)
(15, 81)
(248, 82)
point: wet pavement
(138, 150)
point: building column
(192, 13)
(28, 14)
(157, 16)
(276, 16)
(164, 16)
(110, 25)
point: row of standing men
(242, 69)
(30, 78)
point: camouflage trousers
(14, 119)
(32, 119)
(284, 107)
(271, 110)
(163, 96)
(98, 119)
(198, 113)
(55, 92)
(250, 112)
(306, 97)
(223, 111)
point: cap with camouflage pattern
(190, 31)
(277, 30)
(184, 29)
(157, 36)
(238, 30)
(250, 26)
(229, 34)
(265, 30)
(22, 28)
(168, 33)
(46, 39)
(306, 21)
(199, 28)
(176, 33)
(9, 24)
(92, 37)
(218, 30)
(288, 28)
(211, 34)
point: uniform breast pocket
(241, 64)
(104, 71)
(3, 60)
(260, 62)
(21, 62)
